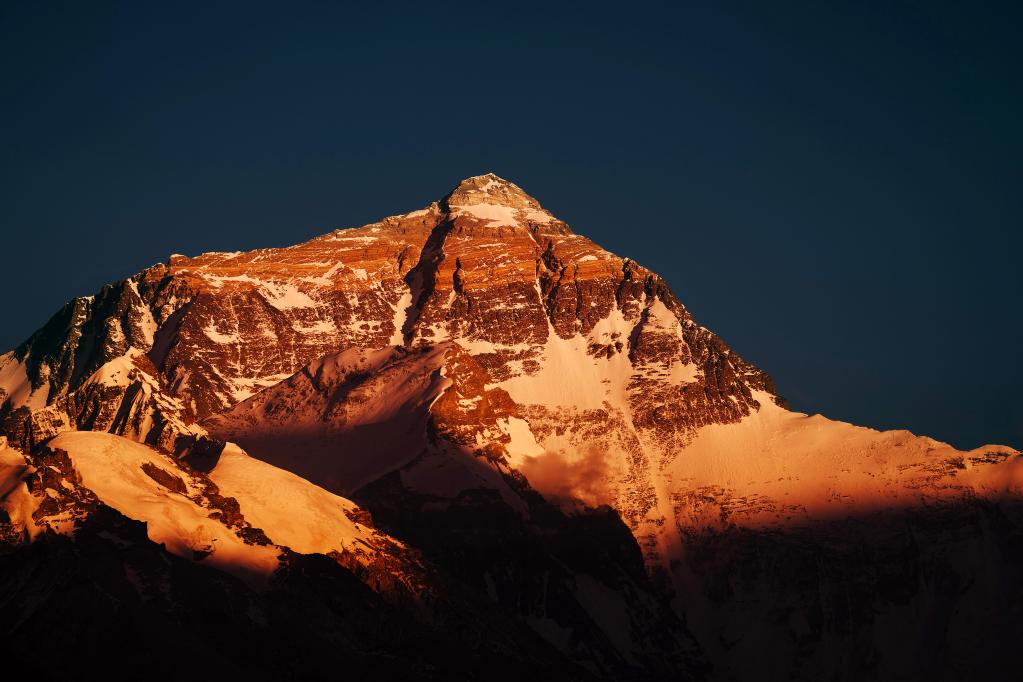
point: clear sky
(835, 188)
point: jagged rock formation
(533, 419)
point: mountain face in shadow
(468, 442)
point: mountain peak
(486, 373)
(497, 202)
(492, 190)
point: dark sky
(835, 188)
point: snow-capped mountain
(489, 419)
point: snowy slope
(807, 546)
(121, 474)
(291, 510)
(778, 467)
(237, 518)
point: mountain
(479, 416)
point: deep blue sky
(835, 188)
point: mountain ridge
(483, 381)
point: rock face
(532, 421)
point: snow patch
(523, 443)
(15, 382)
(327, 278)
(286, 296)
(281, 295)
(211, 332)
(147, 323)
(400, 316)
(536, 215)
(15, 499)
(340, 237)
(115, 372)
(570, 377)
(495, 214)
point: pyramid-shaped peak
(490, 189)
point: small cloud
(570, 482)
